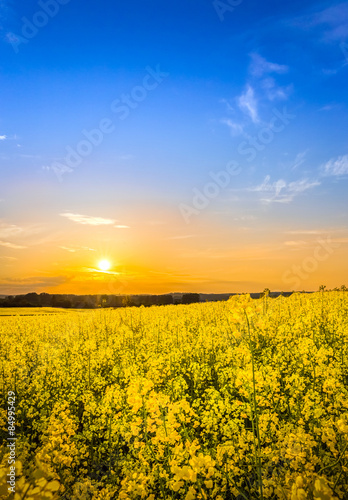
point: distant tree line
(95, 301)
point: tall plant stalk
(255, 414)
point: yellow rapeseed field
(244, 399)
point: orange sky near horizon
(162, 255)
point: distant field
(34, 311)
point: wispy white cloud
(328, 107)
(236, 124)
(281, 191)
(10, 230)
(296, 162)
(273, 91)
(261, 71)
(228, 105)
(13, 231)
(3, 137)
(336, 20)
(305, 231)
(72, 250)
(244, 218)
(87, 219)
(100, 272)
(293, 243)
(235, 128)
(248, 104)
(336, 166)
(299, 160)
(11, 245)
(181, 237)
(259, 66)
(29, 284)
(121, 226)
(331, 22)
(77, 249)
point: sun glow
(104, 265)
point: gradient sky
(198, 145)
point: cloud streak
(259, 66)
(77, 249)
(336, 167)
(273, 91)
(248, 104)
(281, 191)
(87, 219)
(30, 284)
(331, 23)
(235, 128)
(13, 231)
(7, 244)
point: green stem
(335, 463)
(255, 410)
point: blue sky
(225, 72)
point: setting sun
(104, 265)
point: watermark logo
(250, 148)
(202, 198)
(11, 418)
(265, 136)
(344, 49)
(299, 273)
(122, 108)
(223, 6)
(30, 27)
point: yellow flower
(321, 490)
(191, 494)
(176, 485)
(299, 481)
